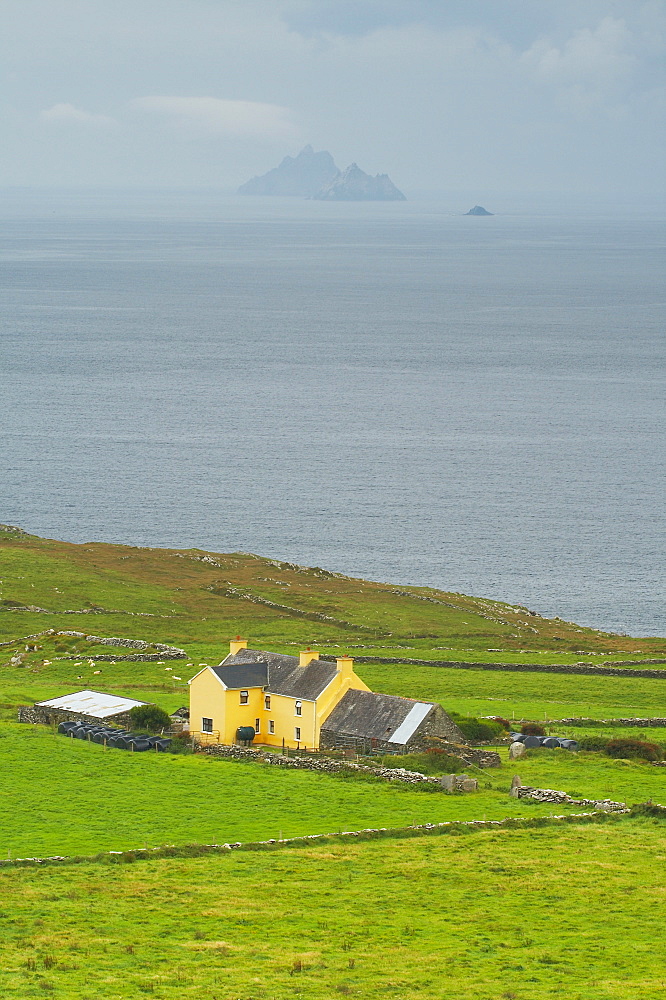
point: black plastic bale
(552, 743)
(162, 745)
(64, 727)
(138, 745)
(531, 742)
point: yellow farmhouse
(302, 701)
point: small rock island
(315, 175)
(479, 210)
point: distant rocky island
(353, 184)
(479, 210)
(297, 176)
(315, 175)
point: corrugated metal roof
(408, 726)
(94, 703)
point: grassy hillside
(515, 914)
(197, 600)
(503, 915)
(192, 599)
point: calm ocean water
(392, 391)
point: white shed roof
(100, 706)
(411, 723)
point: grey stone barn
(366, 721)
(81, 706)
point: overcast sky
(502, 95)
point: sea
(395, 391)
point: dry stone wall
(40, 715)
(328, 765)
(542, 668)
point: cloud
(589, 70)
(214, 115)
(68, 114)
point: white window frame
(271, 727)
(244, 697)
(297, 733)
(299, 708)
(257, 726)
(267, 702)
(206, 725)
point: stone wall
(556, 797)
(327, 765)
(543, 668)
(39, 715)
(638, 723)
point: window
(299, 708)
(267, 702)
(206, 725)
(271, 728)
(297, 733)
(257, 727)
(244, 697)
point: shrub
(631, 748)
(149, 717)
(504, 723)
(532, 729)
(478, 730)
(433, 761)
(598, 743)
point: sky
(503, 95)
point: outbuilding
(82, 706)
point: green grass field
(516, 914)
(528, 914)
(63, 796)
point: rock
(469, 785)
(353, 184)
(515, 786)
(516, 750)
(478, 210)
(300, 176)
(448, 782)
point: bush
(532, 729)
(433, 761)
(149, 717)
(504, 723)
(631, 748)
(181, 743)
(597, 743)
(478, 730)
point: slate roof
(242, 675)
(376, 716)
(281, 674)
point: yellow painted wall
(207, 700)
(283, 713)
(241, 715)
(334, 693)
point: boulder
(516, 750)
